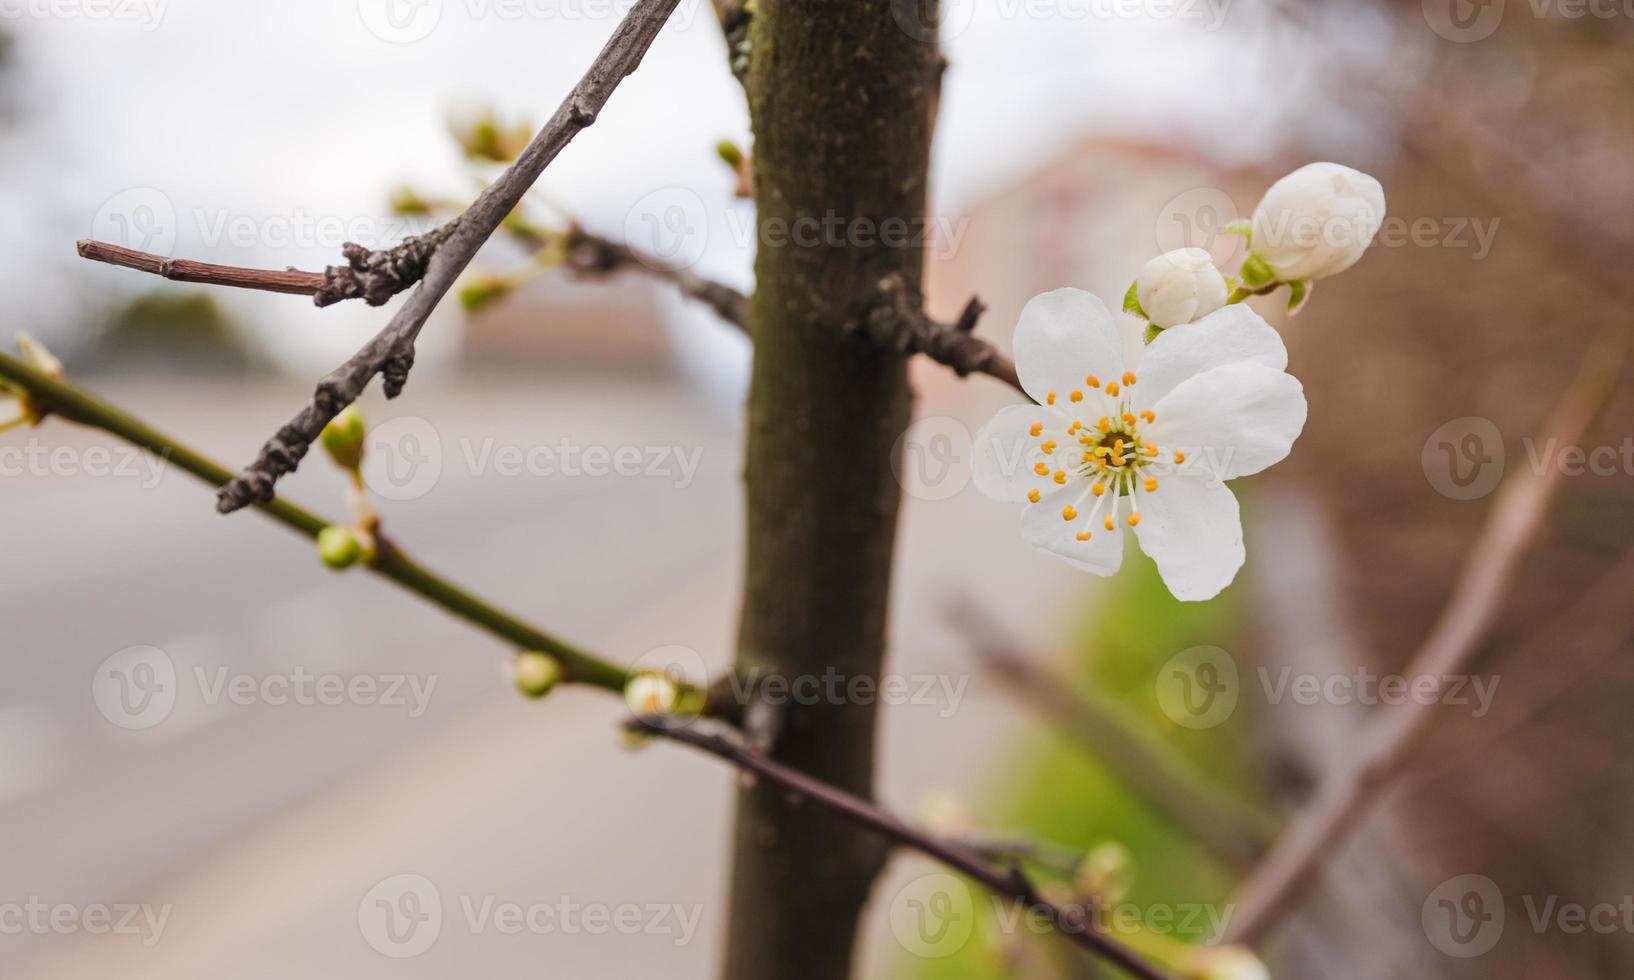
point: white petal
(1043, 527)
(1226, 336)
(1006, 452)
(1191, 527)
(1232, 421)
(1065, 336)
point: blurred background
(249, 830)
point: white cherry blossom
(1108, 447)
(1317, 221)
(1180, 286)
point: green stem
(79, 406)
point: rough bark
(842, 101)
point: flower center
(1110, 457)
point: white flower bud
(1317, 221)
(1225, 963)
(536, 674)
(651, 694)
(1180, 286)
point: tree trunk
(842, 101)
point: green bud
(484, 293)
(339, 547)
(729, 151)
(1107, 872)
(343, 438)
(1256, 272)
(1298, 292)
(536, 674)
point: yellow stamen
(1112, 388)
(1110, 526)
(1148, 416)
(1092, 381)
(1128, 377)
(1098, 489)
(1083, 535)
(1032, 495)
(1151, 484)
(1067, 513)
(1104, 424)
(1150, 449)
(1089, 457)
(1042, 469)
(1048, 447)
(1060, 476)
(1134, 518)
(1117, 446)
(1072, 429)
(1179, 457)
(1077, 395)
(1037, 429)
(1050, 398)
(1128, 419)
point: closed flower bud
(1180, 286)
(651, 694)
(1106, 873)
(1224, 963)
(536, 674)
(1317, 221)
(343, 438)
(339, 547)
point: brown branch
(1009, 883)
(391, 353)
(291, 281)
(895, 319)
(1391, 736)
(593, 256)
(1231, 831)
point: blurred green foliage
(1059, 792)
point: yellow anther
(1151, 484)
(1077, 395)
(1050, 398)
(1083, 535)
(1149, 449)
(1148, 416)
(1037, 429)
(1104, 424)
(1098, 489)
(1060, 476)
(1092, 381)
(1128, 377)
(1032, 495)
(1112, 388)
(1067, 513)
(1072, 429)
(1110, 525)
(1042, 469)
(1134, 518)
(1179, 457)
(1089, 457)
(1048, 447)
(1128, 419)
(1117, 446)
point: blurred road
(256, 836)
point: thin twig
(1231, 831)
(391, 353)
(895, 318)
(291, 281)
(1007, 883)
(594, 256)
(1390, 737)
(76, 405)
